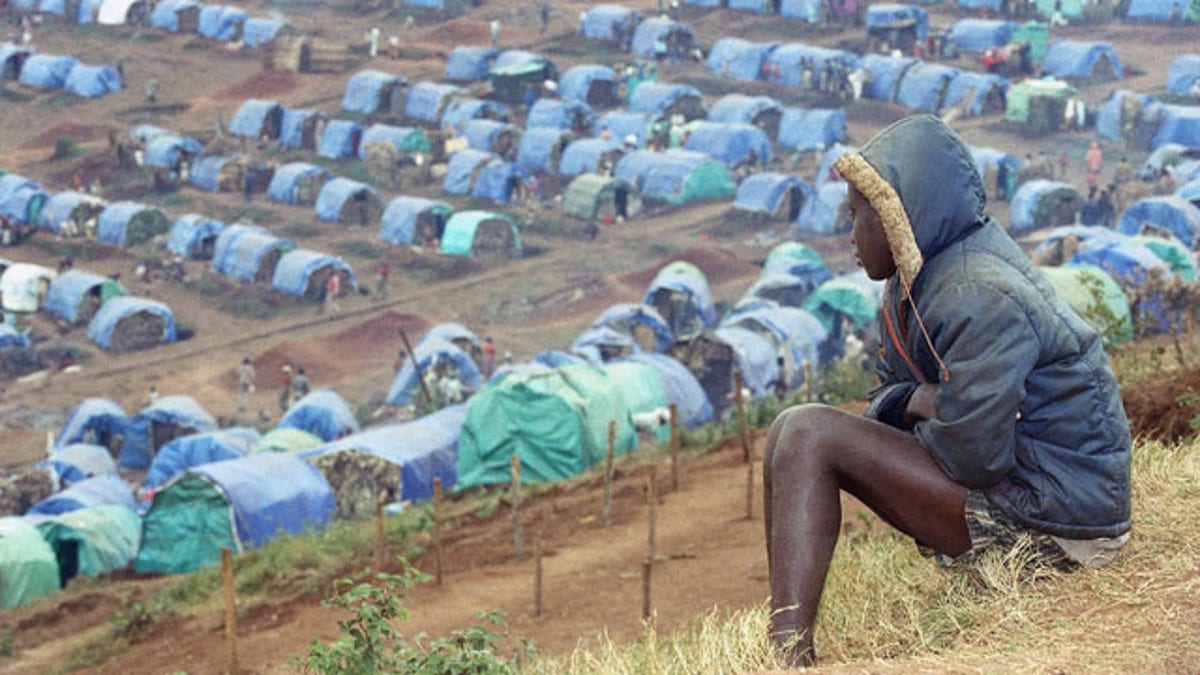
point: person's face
(868, 237)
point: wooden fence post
(741, 411)
(537, 576)
(608, 472)
(808, 382)
(230, 608)
(652, 502)
(518, 534)
(674, 447)
(750, 487)
(379, 535)
(647, 568)
(437, 530)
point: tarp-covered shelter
(978, 35)
(394, 462)
(393, 140)
(126, 324)
(349, 202)
(177, 16)
(169, 150)
(754, 355)
(644, 393)
(621, 124)
(598, 344)
(76, 295)
(12, 58)
(25, 286)
(810, 129)
(92, 541)
(28, 566)
(665, 100)
(1080, 59)
(676, 176)
(773, 195)
(305, 273)
(1177, 124)
(681, 294)
(467, 63)
(924, 86)
(299, 127)
(47, 71)
(1166, 212)
(786, 288)
(642, 323)
(92, 81)
(841, 299)
(248, 253)
(373, 92)
(94, 491)
(22, 199)
(493, 136)
(413, 220)
(159, 423)
(591, 196)
(434, 356)
(586, 154)
(680, 385)
(592, 84)
(763, 112)
(456, 333)
(515, 71)
(1170, 250)
(298, 183)
(1022, 94)
(732, 143)
(1041, 203)
(541, 148)
(1080, 285)
(556, 422)
(94, 420)
(228, 173)
(1190, 192)
(78, 461)
(786, 64)
(976, 93)
(462, 169)
(1174, 11)
(615, 23)
(1183, 74)
(130, 223)
(796, 335)
(220, 22)
(288, 440)
(497, 180)
(426, 100)
(572, 115)
(238, 504)
(896, 24)
(825, 211)
(12, 339)
(811, 11)
(192, 450)
(480, 234)
(887, 72)
(996, 166)
(194, 236)
(462, 108)
(323, 413)
(677, 37)
(260, 30)
(257, 119)
(739, 59)
(340, 139)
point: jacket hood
(919, 176)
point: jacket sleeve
(985, 338)
(890, 398)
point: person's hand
(921, 405)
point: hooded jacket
(1027, 404)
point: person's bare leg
(813, 452)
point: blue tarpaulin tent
(656, 98)
(92, 81)
(240, 250)
(432, 353)
(1108, 119)
(1163, 10)
(497, 180)
(1079, 59)
(621, 124)
(812, 129)
(401, 140)
(681, 294)
(1127, 262)
(627, 317)
(884, 15)
(22, 200)
(452, 331)
(824, 213)
(740, 108)
(483, 134)
(768, 191)
(131, 223)
(221, 22)
(186, 452)
(322, 413)
(47, 71)
(109, 317)
(681, 386)
(924, 85)
(426, 99)
(206, 171)
(194, 236)
(257, 119)
(460, 109)
(755, 357)
(583, 155)
(1040, 203)
(1167, 212)
(179, 414)
(886, 74)
(370, 91)
(1190, 192)
(609, 22)
(339, 139)
(984, 90)
(168, 149)
(94, 491)
(806, 10)
(294, 274)
(94, 420)
(739, 59)
(1180, 124)
(467, 64)
(79, 461)
(11, 338)
(730, 143)
(977, 35)
(69, 294)
(287, 183)
(541, 148)
(785, 63)
(166, 13)
(1183, 74)
(516, 57)
(297, 127)
(460, 170)
(347, 201)
(259, 30)
(590, 83)
(560, 114)
(796, 334)
(399, 222)
(680, 39)
(598, 344)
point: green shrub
(361, 249)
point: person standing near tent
(333, 288)
(373, 41)
(489, 357)
(299, 385)
(1094, 163)
(544, 15)
(998, 422)
(245, 384)
(152, 89)
(494, 33)
(381, 280)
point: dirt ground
(709, 553)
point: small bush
(297, 230)
(137, 620)
(361, 249)
(64, 148)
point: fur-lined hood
(919, 176)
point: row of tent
(49, 71)
(1145, 122)
(808, 10)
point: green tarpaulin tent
(796, 250)
(591, 195)
(190, 506)
(1175, 254)
(1020, 94)
(28, 569)
(286, 439)
(642, 390)
(841, 297)
(94, 540)
(478, 233)
(1096, 298)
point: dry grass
(886, 609)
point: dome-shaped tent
(257, 119)
(773, 195)
(71, 214)
(92, 541)
(94, 420)
(130, 223)
(25, 286)
(126, 324)
(739, 59)
(305, 273)
(195, 236)
(339, 139)
(413, 220)
(640, 322)
(248, 253)
(79, 461)
(426, 100)
(1040, 203)
(94, 491)
(185, 452)
(591, 84)
(349, 202)
(591, 196)
(76, 295)
(28, 566)
(323, 413)
(1163, 213)
(298, 183)
(373, 92)
(437, 358)
(681, 295)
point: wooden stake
(537, 576)
(652, 502)
(608, 472)
(437, 530)
(230, 608)
(750, 488)
(416, 365)
(379, 535)
(741, 411)
(518, 535)
(674, 447)
(808, 382)
(647, 568)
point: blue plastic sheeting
(634, 167)
(221, 22)
(254, 116)
(469, 64)
(425, 449)
(1186, 171)
(548, 360)
(559, 114)
(186, 452)
(1074, 58)
(1158, 10)
(823, 215)
(166, 13)
(239, 249)
(452, 331)
(923, 86)
(59, 207)
(668, 180)
(460, 169)
(654, 29)
(536, 149)
(755, 357)
(336, 192)
(601, 22)
(296, 266)
(681, 386)
(496, 180)
(113, 220)
(461, 109)
(1180, 124)
(429, 353)
(86, 9)
(1190, 192)
(1126, 262)
(764, 192)
(792, 329)
(1183, 74)
(710, 4)
(425, 100)
(785, 68)
(1108, 120)
(271, 493)
(739, 59)
(979, 85)
(364, 90)
(575, 84)
(47, 71)
(991, 158)
(1022, 208)
(322, 413)
(110, 313)
(626, 316)
(79, 461)
(94, 491)
(258, 31)
(1179, 216)
(166, 149)
(685, 278)
(886, 75)
(994, 6)
(730, 143)
(806, 273)
(283, 184)
(583, 155)
(340, 139)
(825, 171)
(396, 137)
(885, 15)
(516, 57)
(24, 201)
(481, 134)
(655, 97)
(590, 343)
(11, 338)
(92, 420)
(205, 172)
(978, 35)
(92, 81)
(11, 183)
(806, 10)
(291, 127)
(621, 124)
(812, 129)
(742, 108)
(399, 220)
(179, 410)
(67, 289)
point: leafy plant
(137, 619)
(1190, 401)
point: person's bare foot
(794, 646)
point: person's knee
(800, 432)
